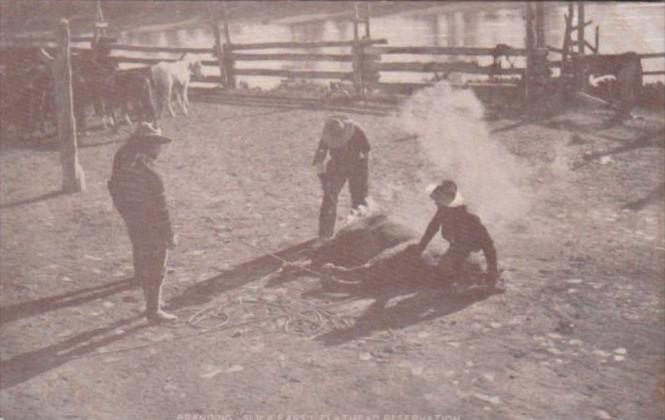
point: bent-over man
(348, 148)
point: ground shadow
(655, 195)
(42, 197)
(375, 262)
(49, 142)
(26, 366)
(421, 290)
(41, 144)
(22, 310)
(650, 139)
(205, 291)
(102, 143)
(285, 104)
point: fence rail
(364, 55)
(292, 57)
(431, 67)
(320, 44)
(652, 55)
(146, 48)
(471, 51)
(299, 74)
(151, 61)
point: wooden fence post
(357, 52)
(597, 39)
(580, 27)
(540, 25)
(100, 24)
(227, 52)
(367, 17)
(73, 178)
(527, 78)
(218, 48)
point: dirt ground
(578, 333)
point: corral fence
(365, 60)
(365, 64)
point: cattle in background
(26, 99)
(93, 84)
(133, 90)
(173, 78)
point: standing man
(138, 193)
(348, 148)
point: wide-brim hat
(446, 194)
(337, 131)
(147, 133)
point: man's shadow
(26, 366)
(205, 291)
(27, 309)
(421, 303)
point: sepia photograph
(332, 210)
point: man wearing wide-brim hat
(463, 230)
(347, 147)
(137, 190)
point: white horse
(172, 78)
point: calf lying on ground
(377, 248)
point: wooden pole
(597, 36)
(529, 52)
(227, 33)
(73, 178)
(100, 24)
(355, 21)
(227, 51)
(540, 25)
(580, 27)
(367, 17)
(357, 55)
(218, 47)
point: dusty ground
(578, 334)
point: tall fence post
(529, 54)
(227, 52)
(367, 17)
(357, 55)
(597, 39)
(218, 47)
(580, 27)
(73, 178)
(540, 25)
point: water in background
(624, 26)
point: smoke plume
(452, 132)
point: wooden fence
(367, 58)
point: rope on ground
(316, 316)
(298, 322)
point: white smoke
(451, 129)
